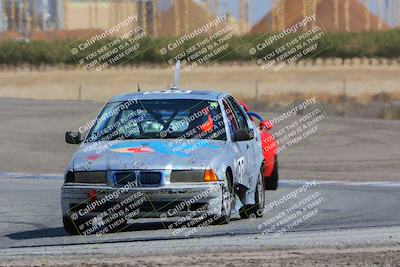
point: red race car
(269, 147)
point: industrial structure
(174, 17)
(331, 15)
(31, 15)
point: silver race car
(163, 154)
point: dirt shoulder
(362, 256)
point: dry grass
(383, 105)
(323, 81)
(331, 98)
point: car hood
(146, 154)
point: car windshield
(155, 119)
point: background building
(31, 15)
(172, 17)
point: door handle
(248, 146)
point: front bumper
(171, 200)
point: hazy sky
(261, 7)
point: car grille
(140, 178)
(123, 178)
(149, 178)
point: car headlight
(97, 177)
(187, 176)
(193, 176)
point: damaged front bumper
(172, 200)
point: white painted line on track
(345, 183)
(30, 175)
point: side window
(233, 126)
(241, 118)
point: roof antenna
(138, 87)
(177, 74)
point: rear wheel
(272, 181)
(69, 226)
(255, 210)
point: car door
(244, 162)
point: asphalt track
(354, 210)
(31, 216)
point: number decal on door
(240, 168)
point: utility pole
(20, 16)
(314, 10)
(66, 26)
(26, 18)
(336, 15)
(274, 11)
(57, 16)
(367, 16)
(380, 14)
(12, 22)
(177, 18)
(144, 15)
(242, 15)
(155, 17)
(347, 15)
(281, 14)
(34, 16)
(44, 14)
(186, 15)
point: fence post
(345, 97)
(80, 92)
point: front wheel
(227, 200)
(255, 210)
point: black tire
(256, 210)
(273, 180)
(69, 226)
(226, 217)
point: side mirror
(265, 125)
(73, 138)
(243, 135)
